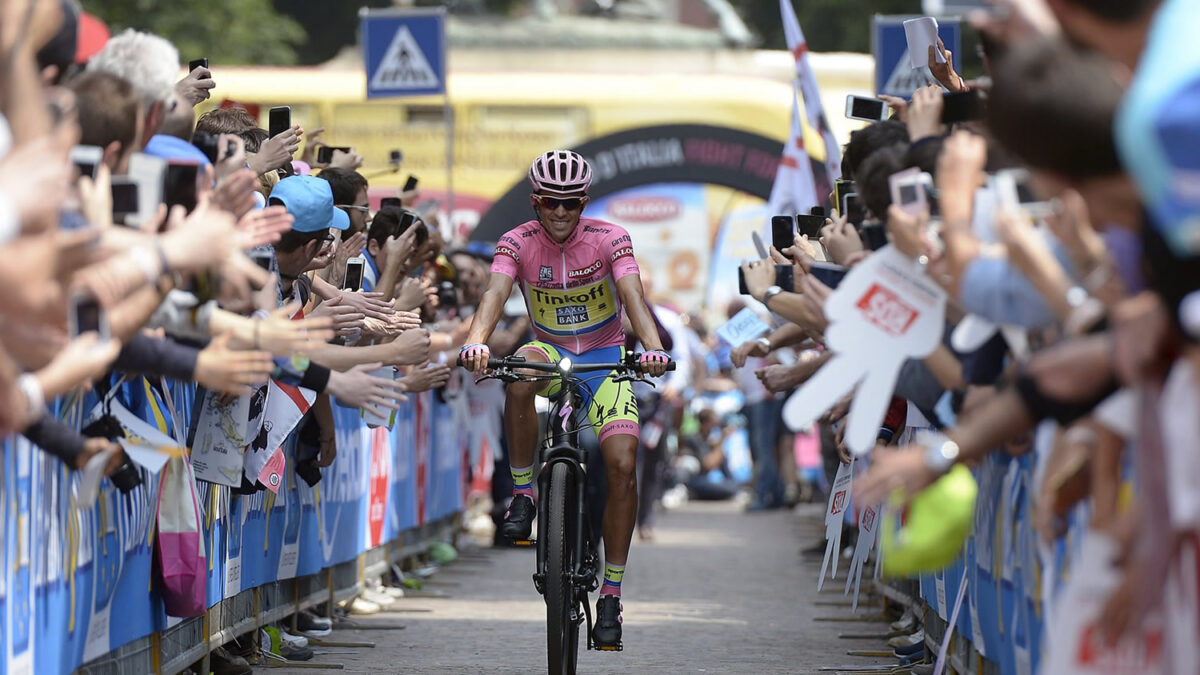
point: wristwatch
(772, 291)
(940, 453)
(765, 342)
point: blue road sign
(404, 52)
(894, 74)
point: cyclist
(576, 274)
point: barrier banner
(76, 584)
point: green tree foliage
(226, 31)
(829, 25)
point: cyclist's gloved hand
(654, 362)
(474, 357)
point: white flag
(806, 84)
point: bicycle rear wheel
(562, 626)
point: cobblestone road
(719, 591)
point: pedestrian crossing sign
(404, 51)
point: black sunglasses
(552, 203)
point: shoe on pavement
(909, 650)
(362, 606)
(377, 597)
(293, 640)
(906, 622)
(606, 634)
(922, 669)
(394, 592)
(518, 520)
(221, 662)
(272, 641)
(907, 640)
(313, 626)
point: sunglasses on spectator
(364, 209)
(552, 203)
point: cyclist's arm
(491, 306)
(629, 287)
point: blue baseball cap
(310, 201)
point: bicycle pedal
(523, 542)
(610, 648)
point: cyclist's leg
(615, 411)
(521, 429)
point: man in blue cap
(309, 244)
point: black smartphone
(395, 157)
(410, 184)
(841, 187)
(742, 282)
(853, 209)
(873, 235)
(279, 120)
(197, 63)
(783, 230)
(325, 153)
(87, 158)
(180, 185)
(817, 211)
(124, 198)
(406, 220)
(86, 315)
(827, 273)
(785, 278)
(391, 201)
(354, 274)
(961, 107)
(207, 143)
(262, 259)
(810, 225)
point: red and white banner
(795, 189)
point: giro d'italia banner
(76, 583)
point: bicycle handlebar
(512, 362)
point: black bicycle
(567, 560)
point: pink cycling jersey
(570, 288)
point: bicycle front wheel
(562, 627)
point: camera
(447, 294)
(127, 476)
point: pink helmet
(560, 173)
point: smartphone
(873, 235)
(867, 109)
(391, 201)
(742, 282)
(406, 220)
(354, 274)
(410, 183)
(810, 226)
(207, 143)
(87, 158)
(279, 120)
(910, 189)
(827, 273)
(262, 259)
(180, 185)
(853, 209)
(841, 187)
(150, 174)
(785, 278)
(124, 198)
(395, 157)
(1014, 191)
(961, 107)
(84, 314)
(325, 153)
(783, 229)
(197, 63)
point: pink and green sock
(522, 480)
(613, 574)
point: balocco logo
(644, 209)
